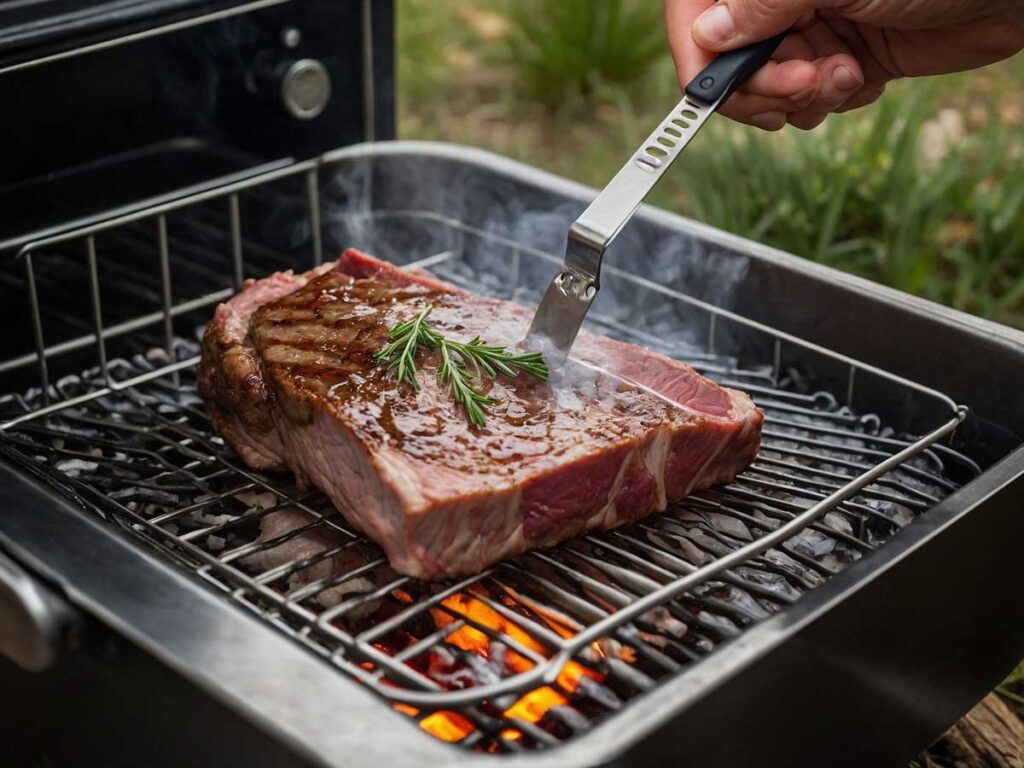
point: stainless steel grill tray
(535, 650)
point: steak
(231, 378)
(290, 380)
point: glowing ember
(532, 706)
(501, 660)
(469, 639)
(449, 726)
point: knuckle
(804, 100)
(768, 9)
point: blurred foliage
(1012, 689)
(903, 198)
(573, 48)
(923, 191)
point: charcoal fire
(471, 655)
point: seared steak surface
(289, 375)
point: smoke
(206, 59)
(503, 236)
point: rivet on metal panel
(291, 37)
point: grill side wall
(873, 667)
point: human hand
(841, 53)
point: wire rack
(537, 649)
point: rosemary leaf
(461, 362)
(453, 372)
(403, 349)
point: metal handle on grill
(31, 618)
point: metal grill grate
(534, 650)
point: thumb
(730, 24)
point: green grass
(570, 50)
(1012, 689)
(861, 195)
(574, 85)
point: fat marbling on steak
(290, 380)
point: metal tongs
(568, 298)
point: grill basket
(102, 407)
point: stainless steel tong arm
(568, 298)
(604, 218)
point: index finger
(689, 58)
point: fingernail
(715, 26)
(844, 78)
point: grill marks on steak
(231, 378)
(441, 497)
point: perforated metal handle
(568, 298)
(615, 205)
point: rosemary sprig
(460, 363)
(407, 338)
(454, 372)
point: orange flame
(450, 726)
(530, 707)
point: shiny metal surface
(819, 459)
(30, 619)
(143, 419)
(305, 88)
(188, 628)
(156, 31)
(567, 300)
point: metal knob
(306, 88)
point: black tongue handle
(728, 72)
